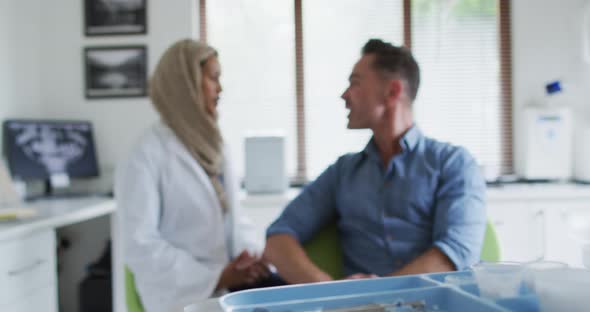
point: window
(255, 41)
(331, 50)
(286, 63)
(456, 44)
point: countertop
(495, 192)
(54, 213)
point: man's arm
(460, 212)
(459, 222)
(302, 218)
(433, 260)
(295, 267)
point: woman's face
(211, 85)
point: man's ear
(394, 90)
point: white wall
(547, 39)
(41, 76)
(19, 59)
(117, 122)
(547, 45)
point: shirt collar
(411, 138)
(409, 141)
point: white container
(546, 143)
(265, 164)
(497, 280)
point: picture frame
(115, 17)
(115, 71)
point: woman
(176, 194)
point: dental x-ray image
(115, 17)
(116, 71)
(41, 149)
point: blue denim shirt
(431, 194)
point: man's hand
(431, 261)
(246, 269)
(291, 261)
(360, 276)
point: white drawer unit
(521, 230)
(28, 257)
(39, 300)
(562, 244)
(28, 265)
(532, 222)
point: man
(406, 204)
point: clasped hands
(245, 269)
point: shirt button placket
(384, 203)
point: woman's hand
(246, 269)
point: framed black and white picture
(115, 17)
(116, 71)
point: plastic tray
(430, 290)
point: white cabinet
(534, 222)
(562, 244)
(264, 216)
(39, 300)
(521, 229)
(264, 209)
(27, 272)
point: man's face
(365, 96)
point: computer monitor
(40, 149)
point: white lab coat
(176, 239)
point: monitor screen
(39, 149)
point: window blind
(333, 34)
(286, 62)
(457, 44)
(256, 44)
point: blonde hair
(176, 92)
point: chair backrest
(490, 250)
(325, 251)
(131, 295)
